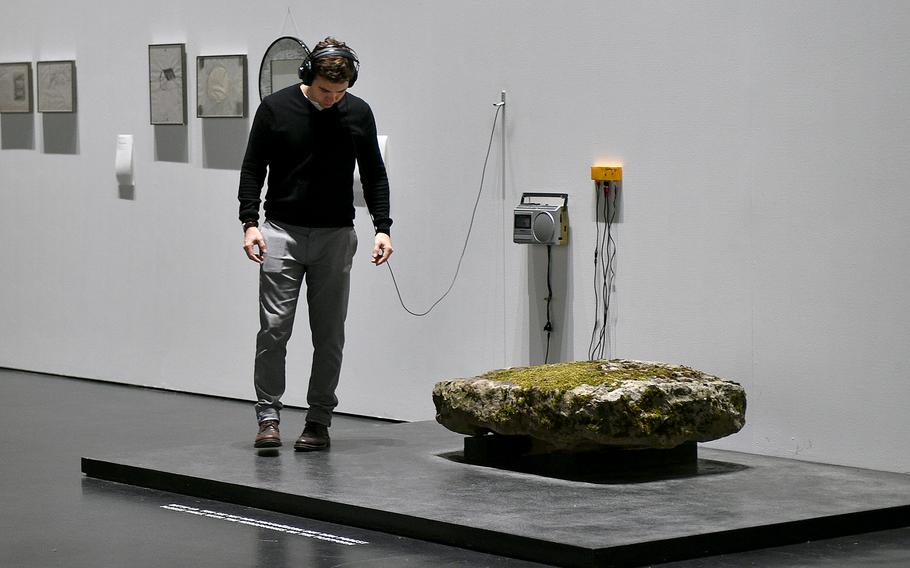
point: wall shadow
(561, 316)
(223, 142)
(612, 207)
(61, 132)
(172, 143)
(127, 192)
(17, 131)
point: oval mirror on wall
(280, 64)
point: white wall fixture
(123, 161)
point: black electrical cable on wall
(549, 326)
(483, 174)
(610, 271)
(604, 254)
(592, 347)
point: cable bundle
(604, 269)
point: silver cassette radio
(541, 223)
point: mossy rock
(584, 405)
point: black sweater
(310, 158)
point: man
(308, 137)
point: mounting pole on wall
(502, 159)
(502, 220)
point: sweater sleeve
(373, 175)
(255, 164)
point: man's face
(325, 92)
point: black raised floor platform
(411, 479)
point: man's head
(332, 60)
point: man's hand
(382, 249)
(253, 238)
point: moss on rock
(567, 376)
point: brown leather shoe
(315, 437)
(268, 436)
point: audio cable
(549, 326)
(467, 237)
(604, 254)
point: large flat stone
(590, 404)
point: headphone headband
(333, 51)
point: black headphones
(307, 71)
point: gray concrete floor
(53, 516)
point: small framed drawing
(221, 86)
(56, 86)
(167, 83)
(16, 87)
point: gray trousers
(321, 257)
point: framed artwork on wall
(221, 85)
(167, 83)
(56, 86)
(16, 87)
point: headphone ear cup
(305, 72)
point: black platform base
(411, 479)
(517, 453)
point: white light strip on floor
(264, 524)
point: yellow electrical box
(606, 173)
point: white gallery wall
(762, 232)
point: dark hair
(337, 68)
